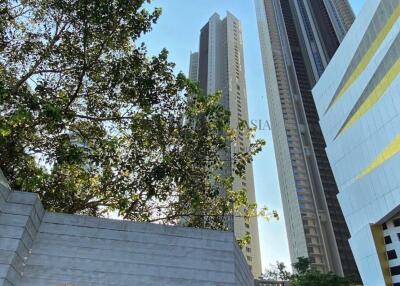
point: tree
(277, 272)
(306, 276)
(302, 265)
(92, 124)
(316, 278)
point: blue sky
(178, 31)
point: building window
(248, 258)
(388, 239)
(384, 226)
(248, 249)
(391, 254)
(398, 236)
(395, 270)
(396, 222)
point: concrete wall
(39, 248)
(20, 219)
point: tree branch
(56, 37)
(102, 119)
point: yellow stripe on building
(368, 55)
(375, 95)
(392, 149)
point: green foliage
(316, 278)
(277, 272)
(306, 276)
(245, 240)
(92, 124)
(302, 265)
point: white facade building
(358, 101)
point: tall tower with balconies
(219, 66)
(298, 39)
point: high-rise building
(358, 101)
(219, 66)
(194, 66)
(298, 38)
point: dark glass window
(388, 239)
(391, 254)
(396, 222)
(395, 270)
(398, 236)
(384, 226)
(396, 284)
